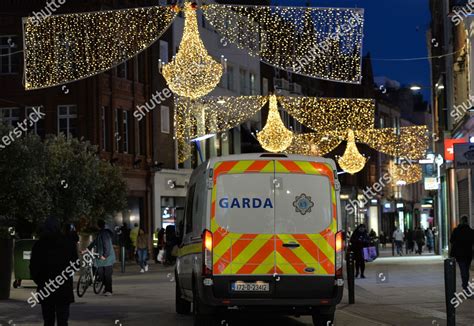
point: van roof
(266, 156)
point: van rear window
(245, 203)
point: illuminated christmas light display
(193, 72)
(324, 43)
(352, 161)
(334, 114)
(64, 48)
(274, 137)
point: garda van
(261, 232)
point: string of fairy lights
(291, 37)
(193, 72)
(212, 115)
(65, 48)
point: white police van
(261, 233)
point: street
(410, 292)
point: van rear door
(243, 218)
(274, 221)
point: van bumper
(219, 295)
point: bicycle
(89, 276)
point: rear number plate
(250, 287)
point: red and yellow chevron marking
(262, 254)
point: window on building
(230, 78)
(67, 120)
(243, 82)
(116, 130)
(164, 49)
(253, 86)
(122, 70)
(265, 86)
(165, 119)
(9, 58)
(105, 128)
(38, 127)
(126, 131)
(142, 136)
(10, 116)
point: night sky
(393, 29)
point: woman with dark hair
(359, 240)
(51, 259)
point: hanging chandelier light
(275, 137)
(192, 73)
(352, 161)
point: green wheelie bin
(22, 256)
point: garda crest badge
(303, 204)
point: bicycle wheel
(98, 284)
(83, 284)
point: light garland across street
(324, 43)
(64, 48)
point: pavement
(397, 291)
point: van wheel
(200, 318)
(183, 307)
(323, 319)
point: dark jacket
(104, 247)
(462, 241)
(419, 235)
(359, 240)
(53, 257)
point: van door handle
(291, 245)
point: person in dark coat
(50, 268)
(171, 241)
(104, 247)
(462, 240)
(359, 240)
(419, 239)
(410, 241)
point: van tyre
(201, 318)
(183, 307)
(323, 319)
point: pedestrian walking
(410, 239)
(429, 239)
(383, 239)
(133, 239)
(171, 242)
(50, 257)
(420, 240)
(398, 238)
(104, 247)
(359, 240)
(462, 240)
(142, 250)
(161, 242)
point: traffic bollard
(350, 277)
(122, 258)
(450, 290)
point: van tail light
(207, 253)
(339, 254)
